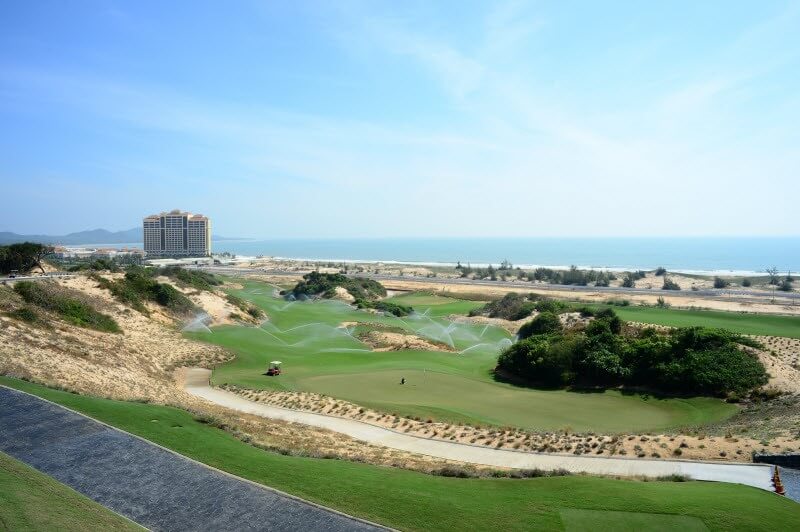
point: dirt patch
(382, 340)
(511, 326)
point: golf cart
(274, 368)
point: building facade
(177, 234)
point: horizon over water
(689, 254)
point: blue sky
(326, 119)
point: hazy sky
(333, 118)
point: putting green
(320, 355)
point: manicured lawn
(320, 356)
(761, 324)
(414, 501)
(30, 500)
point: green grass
(452, 387)
(599, 520)
(759, 324)
(30, 500)
(415, 501)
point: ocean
(733, 255)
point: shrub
(544, 323)
(512, 306)
(26, 314)
(661, 271)
(195, 278)
(325, 284)
(669, 284)
(628, 281)
(694, 360)
(540, 359)
(71, 309)
(139, 286)
(746, 282)
(719, 282)
(785, 286)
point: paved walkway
(155, 487)
(757, 475)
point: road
(44, 277)
(757, 475)
(148, 484)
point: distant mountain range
(95, 236)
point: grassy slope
(30, 500)
(444, 386)
(414, 501)
(764, 324)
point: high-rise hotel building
(177, 234)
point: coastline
(704, 257)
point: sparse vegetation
(245, 306)
(68, 306)
(139, 286)
(197, 279)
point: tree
(628, 281)
(661, 271)
(785, 286)
(773, 275)
(23, 256)
(746, 282)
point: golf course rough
(320, 355)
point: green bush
(385, 306)
(661, 271)
(325, 284)
(544, 323)
(544, 360)
(746, 282)
(694, 360)
(71, 309)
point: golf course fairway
(320, 355)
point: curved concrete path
(148, 484)
(757, 475)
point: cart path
(757, 475)
(148, 484)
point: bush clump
(139, 286)
(669, 284)
(71, 309)
(325, 284)
(512, 306)
(545, 323)
(195, 278)
(244, 306)
(693, 360)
